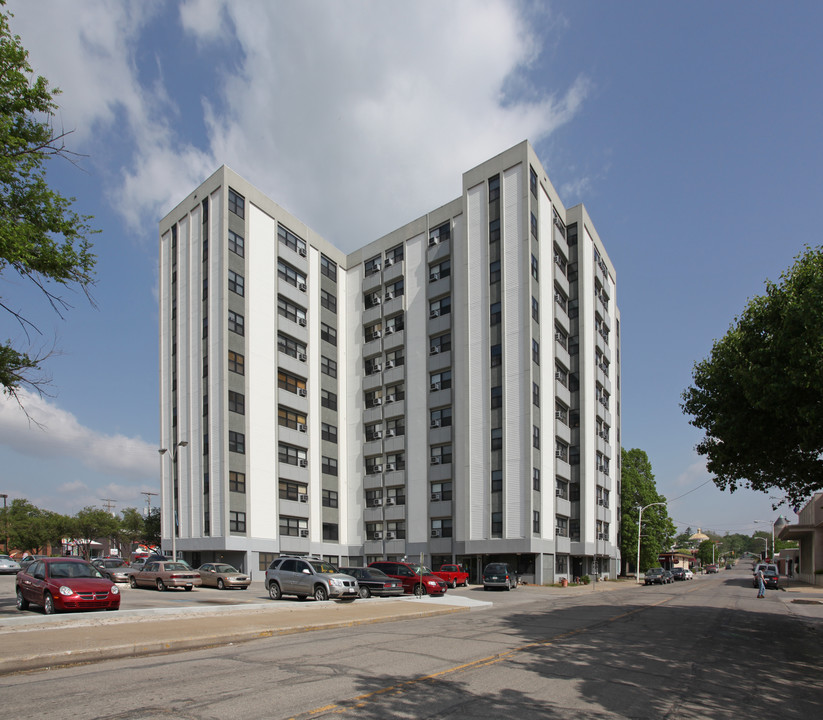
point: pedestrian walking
(761, 583)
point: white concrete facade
(450, 389)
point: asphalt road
(700, 649)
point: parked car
(667, 574)
(115, 569)
(164, 574)
(728, 566)
(372, 581)
(454, 575)
(688, 574)
(771, 579)
(678, 573)
(58, 584)
(416, 579)
(222, 576)
(769, 571)
(654, 576)
(711, 569)
(7, 565)
(308, 576)
(29, 559)
(499, 575)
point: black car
(771, 579)
(499, 575)
(374, 582)
(678, 573)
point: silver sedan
(223, 576)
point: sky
(691, 132)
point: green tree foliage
(759, 395)
(32, 529)
(42, 240)
(91, 523)
(705, 550)
(130, 530)
(151, 534)
(639, 490)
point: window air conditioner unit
(434, 350)
(558, 414)
(601, 536)
(389, 363)
(558, 454)
(377, 502)
(390, 501)
(304, 498)
(301, 322)
(390, 398)
(375, 300)
(302, 287)
(434, 314)
(558, 376)
(301, 357)
(435, 533)
(432, 241)
(435, 386)
(600, 501)
(435, 460)
(301, 392)
(435, 423)
(434, 277)
(390, 432)
(377, 535)
(389, 330)
(389, 262)
(558, 531)
(389, 296)
(301, 427)
(376, 401)
(378, 469)
(375, 369)
(302, 251)
(376, 335)
(389, 535)
(304, 533)
(303, 463)
(390, 467)
(558, 492)
(436, 497)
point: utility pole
(148, 501)
(108, 504)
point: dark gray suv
(307, 576)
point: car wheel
(485, 587)
(274, 591)
(508, 587)
(454, 583)
(132, 581)
(22, 603)
(189, 588)
(419, 590)
(220, 584)
(364, 592)
(48, 604)
(320, 593)
(160, 585)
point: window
(291, 419)
(328, 432)
(395, 255)
(289, 239)
(291, 383)
(328, 268)
(293, 526)
(372, 265)
(328, 399)
(441, 455)
(237, 522)
(497, 481)
(535, 394)
(396, 426)
(561, 450)
(236, 323)
(561, 526)
(237, 402)
(536, 479)
(291, 455)
(328, 301)
(535, 268)
(440, 271)
(561, 375)
(494, 188)
(237, 363)
(440, 307)
(535, 352)
(441, 491)
(494, 272)
(329, 466)
(535, 310)
(330, 532)
(237, 244)
(561, 337)
(494, 232)
(237, 203)
(290, 311)
(328, 333)
(534, 225)
(237, 482)
(290, 490)
(290, 275)
(494, 314)
(497, 524)
(535, 437)
(533, 181)
(536, 522)
(396, 461)
(561, 413)
(561, 489)
(291, 347)
(561, 564)
(397, 495)
(441, 380)
(330, 498)
(496, 355)
(395, 289)
(441, 417)
(441, 527)
(395, 359)
(373, 332)
(440, 233)
(561, 300)
(237, 442)
(395, 324)
(439, 344)
(398, 527)
(497, 439)
(497, 397)
(205, 329)
(236, 283)
(328, 366)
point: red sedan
(59, 584)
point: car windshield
(374, 572)
(225, 569)
(73, 570)
(421, 570)
(654, 571)
(323, 568)
(495, 568)
(176, 566)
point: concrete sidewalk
(37, 642)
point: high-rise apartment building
(450, 390)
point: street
(698, 649)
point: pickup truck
(454, 575)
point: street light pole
(639, 523)
(173, 456)
(767, 522)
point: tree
(705, 552)
(759, 395)
(639, 490)
(42, 239)
(32, 529)
(131, 528)
(151, 533)
(91, 523)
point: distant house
(676, 558)
(808, 532)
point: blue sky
(691, 131)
